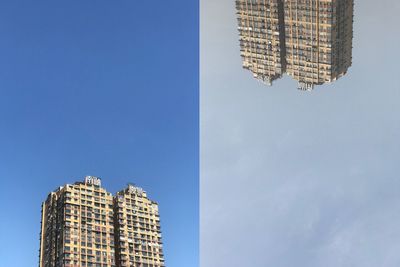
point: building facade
(138, 238)
(78, 228)
(310, 40)
(261, 44)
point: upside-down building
(310, 40)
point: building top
(96, 182)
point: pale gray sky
(292, 178)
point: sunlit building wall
(78, 226)
(310, 40)
(138, 233)
(261, 44)
(318, 38)
(83, 225)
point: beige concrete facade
(315, 38)
(138, 242)
(78, 229)
(260, 40)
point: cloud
(290, 178)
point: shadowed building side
(48, 241)
(342, 33)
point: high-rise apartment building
(79, 228)
(138, 238)
(262, 45)
(310, 40)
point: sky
(102, 88)
(293, 178)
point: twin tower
(83, 225)
(311, 40)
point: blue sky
(103, 88)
